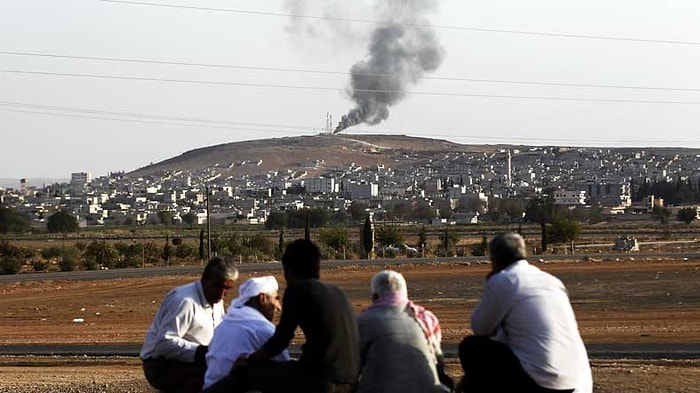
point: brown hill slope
(317, 153)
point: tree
(62, 222)
(687, 214)
(167, 251)
(276, 220)
(307, 229)
(201, 245)
(184, 251)
(367, 237)
(661, 214)
(131, 254)
(280, 242)
(165, 217)
(563, 229)
(189, 218)
(480, 249)
(540, 210)
(12, 221)
(10, 265)
(100, 253)
(358, 210)
(422, 239)
(389, 235)
(335, 238)
(448, 240)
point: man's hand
(200, 353)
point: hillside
(318, 153)
(324, 152)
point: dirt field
(624, 301)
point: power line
(322, 72)
(146, 116)
(489, 138)
(65, 115)
(426, 25)
(322, 88)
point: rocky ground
(616, 301)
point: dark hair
(507, 248)
(302, 259)
(220, 269)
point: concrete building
(569, 197)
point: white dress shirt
(529, 310)
(243, 331)
(184, 321)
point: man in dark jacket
(330, 358)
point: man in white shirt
(176, 343)
(526, 336)
(247, 325)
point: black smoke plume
(400, 52)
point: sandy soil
(626, 301)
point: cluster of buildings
(462, 182)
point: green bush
(68, 263)
(10, 265)
(40, 266)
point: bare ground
(626, 301)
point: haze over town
(101, 86)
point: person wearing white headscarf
(245, 328)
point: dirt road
(649, 301)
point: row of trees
(12, 221)
(678, 192)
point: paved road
(266, 266)
(595, 351)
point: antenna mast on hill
(329, 123)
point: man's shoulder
(183, 293)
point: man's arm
(175, 322)
(493, 306)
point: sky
(101, 86)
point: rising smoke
(400, 52)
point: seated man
(329, 361)
(526, 337)
(176, 342)
(396, 353)
(246, 327)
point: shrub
(40, 266)
(10, 265)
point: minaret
(509, 179)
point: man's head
(218, 277)
(388, 284)
(505, 249)
(301, 260)
(260, 293)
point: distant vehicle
(409, 249)
(401, 248)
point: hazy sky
(121, 115)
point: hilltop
(320, 153)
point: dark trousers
(174, 376)
(491, 366)
(276, 377)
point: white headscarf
(254, 286)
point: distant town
(438, 188)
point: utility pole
(208, 225)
